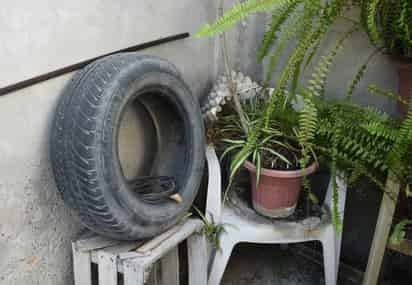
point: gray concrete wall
(37, 37)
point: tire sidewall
(119, 94)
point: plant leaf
(229, 149)
(238, 161)
(277, 155)
(258, 168)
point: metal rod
(59, 72)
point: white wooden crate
(133, 259)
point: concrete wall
(37, 37)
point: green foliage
(359, 75)
(399, 156)
(211, 230)
(362, 141)
(372, 88)
(336, 217)
(279, 17)
(239, 12)
(305, 21)
(399, 232)
(270, 146)
(389, 25)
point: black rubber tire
(84, 152)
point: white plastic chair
(239, 229)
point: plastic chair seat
(240, 228)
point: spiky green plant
(211, 230)
(270, 151)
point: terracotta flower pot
(278, 191)
(405, 84)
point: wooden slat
(153, 275)
(155, 251)
(81, 267)
(382, 231)
(107, 268)
(113, 257)
(197, 255)
(116, 250)
(94, 243)
(158, 240)
(133, 273)
(170, 267)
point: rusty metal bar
(61, 71)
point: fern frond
(375, 90)
(317, 83)
(403, 140)
(308, 41)
(399, 234)
(371, 15)
(307, 122)
(238, 12)
(380, 130)
(359, 75)
(289, 31)
(389, 25)
(336, 217)
(279, 17)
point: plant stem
(232, 84)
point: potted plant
(255, 148)
(389, 26)
(273, 162)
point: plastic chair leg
(220, 260)
(329, 258)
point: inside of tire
(151, 138)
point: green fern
(372, 25)
(359, 75)
(381, 130)
(359, 150)
(318, 81)
(289, 31)
(389, 25)
(279, 17)
(308, 42)
(239, 12)
(336, 217)
(403, 140)
(375, 90)
(399, 232)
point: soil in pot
(278, 191)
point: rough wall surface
(39, 36)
